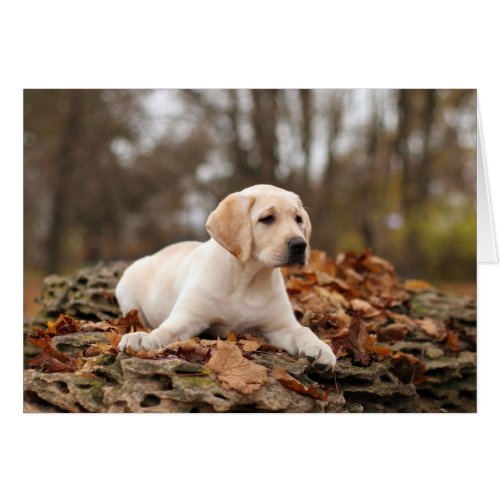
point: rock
(438, 305)
(87, 294)
(110, 383)
(74, 342)
(171, 385)
(66, 392)
(346, 370)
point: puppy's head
(264, 222)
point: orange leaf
(232, 337)
(380, 351)
(114, 339)
(452, 341)
(249, 345)
(63, 324)
(129, 323)
(416, 285)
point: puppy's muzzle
(296, 251)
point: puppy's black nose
(297, 246)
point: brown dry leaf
(365, 308)
(381, 352)
(428, 326)
(89, 365)
(48, 359)
(199, 355)
(253, 338)
(291, 383)
(234, 371)
(335, 298)
(207, 342)
(317, 303)
(270, 348)
(403, 319)
(100, 348)
(323, 279)
(47, 363)
(249, 345)
(376, 301)
(358, 335)
(408, 368)
(431, 328)
(341, 346)
(353, 278)
(297, 282)
(193, 350)
(340, 284)
(98, 326)
(114, 339)
(63, 324)
(129, 323)
(184, 345)
(376, 264)
(452, 341)
(126, 324)
(394, 331)
(341, 322)
(319, 261)
(153, 354)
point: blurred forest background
(117, 174)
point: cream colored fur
(231, 282)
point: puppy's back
(148, 283)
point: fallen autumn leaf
(234, 371)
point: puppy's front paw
(320, 356)
(139, 341)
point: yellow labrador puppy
(231, 282)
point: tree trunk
(306, 133)
(244, 175)
(426, 160)
(265, 132)
(404, 104)
(368, 191)
(63, 167)
(323, 203)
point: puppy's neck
(243, 274)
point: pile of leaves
(231, 359)
(359, 307)
(356, 304)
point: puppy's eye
(298, 219)
(268, 220)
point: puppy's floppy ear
(307, 224)
(229, 224)
(307, 221)
(307, 231)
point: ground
(402, 346)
